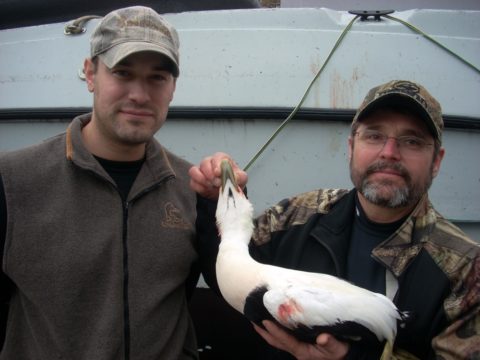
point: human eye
(373, 136)
(412, 142)
(159, 77)
(121, 73)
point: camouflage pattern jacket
(436, 265)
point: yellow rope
(292, 114)
(428, 37)
(344, 32)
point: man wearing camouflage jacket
(383, 235)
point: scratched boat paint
(264, 59)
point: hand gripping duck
(304, 303)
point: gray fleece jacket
(96, 277)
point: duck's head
(227, 174)
(234, 211)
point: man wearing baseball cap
(383, 235)
(132, 30)
(97, 225)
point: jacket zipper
(126, 309)
(331, 253)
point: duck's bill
(227, 173)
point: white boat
(242, 74)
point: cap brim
(407, 102)
(114, 55)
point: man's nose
(391, 148)
(138, 92)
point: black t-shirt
(123, 173)
(362, 269)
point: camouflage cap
(406, 94)
(134, 29)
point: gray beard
(397, 197)
(400, 196)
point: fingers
(326, 346)
(269, 338)
(280, 335)
(264, 334)
(205, 178)
(200, 184)
(210, 169)
(330, 345)
(278, 338)
(323, 339)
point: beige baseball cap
(134, 29)
(408, 94)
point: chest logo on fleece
(173, 218)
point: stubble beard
(127, 132)
(133, 137)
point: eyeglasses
(406, 143)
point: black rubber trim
(66, 114)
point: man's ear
(174, 87)
(89, 72)
(437, 162)
(350, 148)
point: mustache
(382, 165)
(134, 106)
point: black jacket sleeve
(3, 221)
(5, 283)
(208, 240)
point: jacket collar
(399, 250)
(333, 230)
(155, 169)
